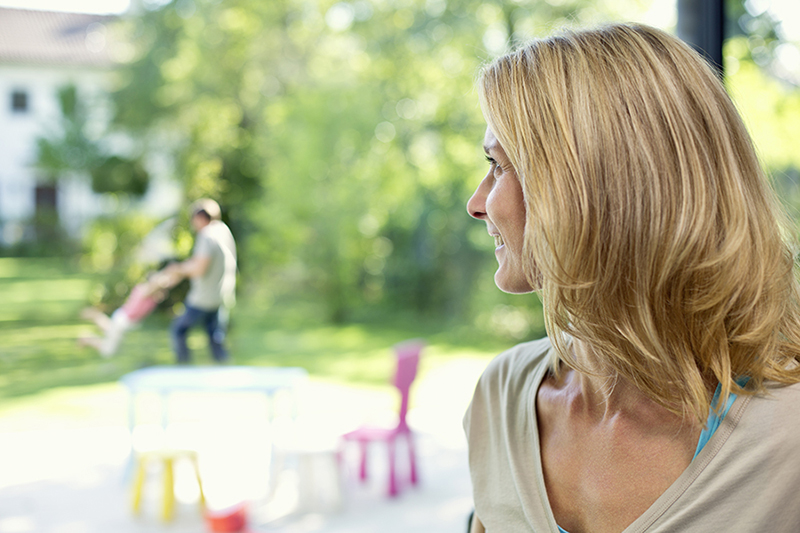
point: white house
(41, 52)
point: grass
(40, 325)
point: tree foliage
(70, 149)
(341, 138)
(762, 64)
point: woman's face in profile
(498, 201)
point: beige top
(217, 285)
(745, 480)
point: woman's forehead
(490, 142)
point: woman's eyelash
(491, 160)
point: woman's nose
(476, 206)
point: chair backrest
(407, 354)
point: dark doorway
(46, 225)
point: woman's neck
(605, 394)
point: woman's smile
(498, 241)
(500, 203)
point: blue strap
(714, 419)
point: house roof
(54, 38)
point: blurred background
(342, 140)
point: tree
(71, 150)
(763, 78)
(343, 137)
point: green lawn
(40, 325)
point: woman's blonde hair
(650, 225)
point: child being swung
(143, 299)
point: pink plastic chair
(407, 361)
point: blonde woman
(623, 187)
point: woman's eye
(493, 163)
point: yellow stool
(167, 458)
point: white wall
(76, 203)
(19, 131)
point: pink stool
(407, 354)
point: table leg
(131, 425)
(164, 417)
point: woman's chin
(512, 284)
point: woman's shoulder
(502, 389)
(778, 405)
(523, 354)
(517, 365)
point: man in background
(212, 273)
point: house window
(46, 198)
(19, 101)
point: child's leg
(92, 342)
(118, 325)
(98, 317)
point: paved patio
(67, 474)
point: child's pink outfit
(136, 307)
(139, 304)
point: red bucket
(229, 520)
